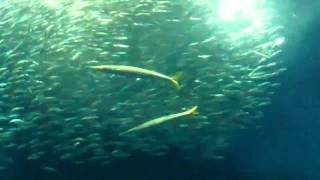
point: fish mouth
(95, 67)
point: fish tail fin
(176, 84)
(194, 110)
(175, 78)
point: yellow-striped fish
(121, 69)
(161, 120)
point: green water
(57, 109)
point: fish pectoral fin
(175, 78)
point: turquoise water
(59, 113)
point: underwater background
(62, 120)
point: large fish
(162, 119)
(121, 69)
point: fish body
(122, 69)
(161, 120)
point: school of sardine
(56, 105)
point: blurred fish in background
(57, 109)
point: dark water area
(285, 147)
